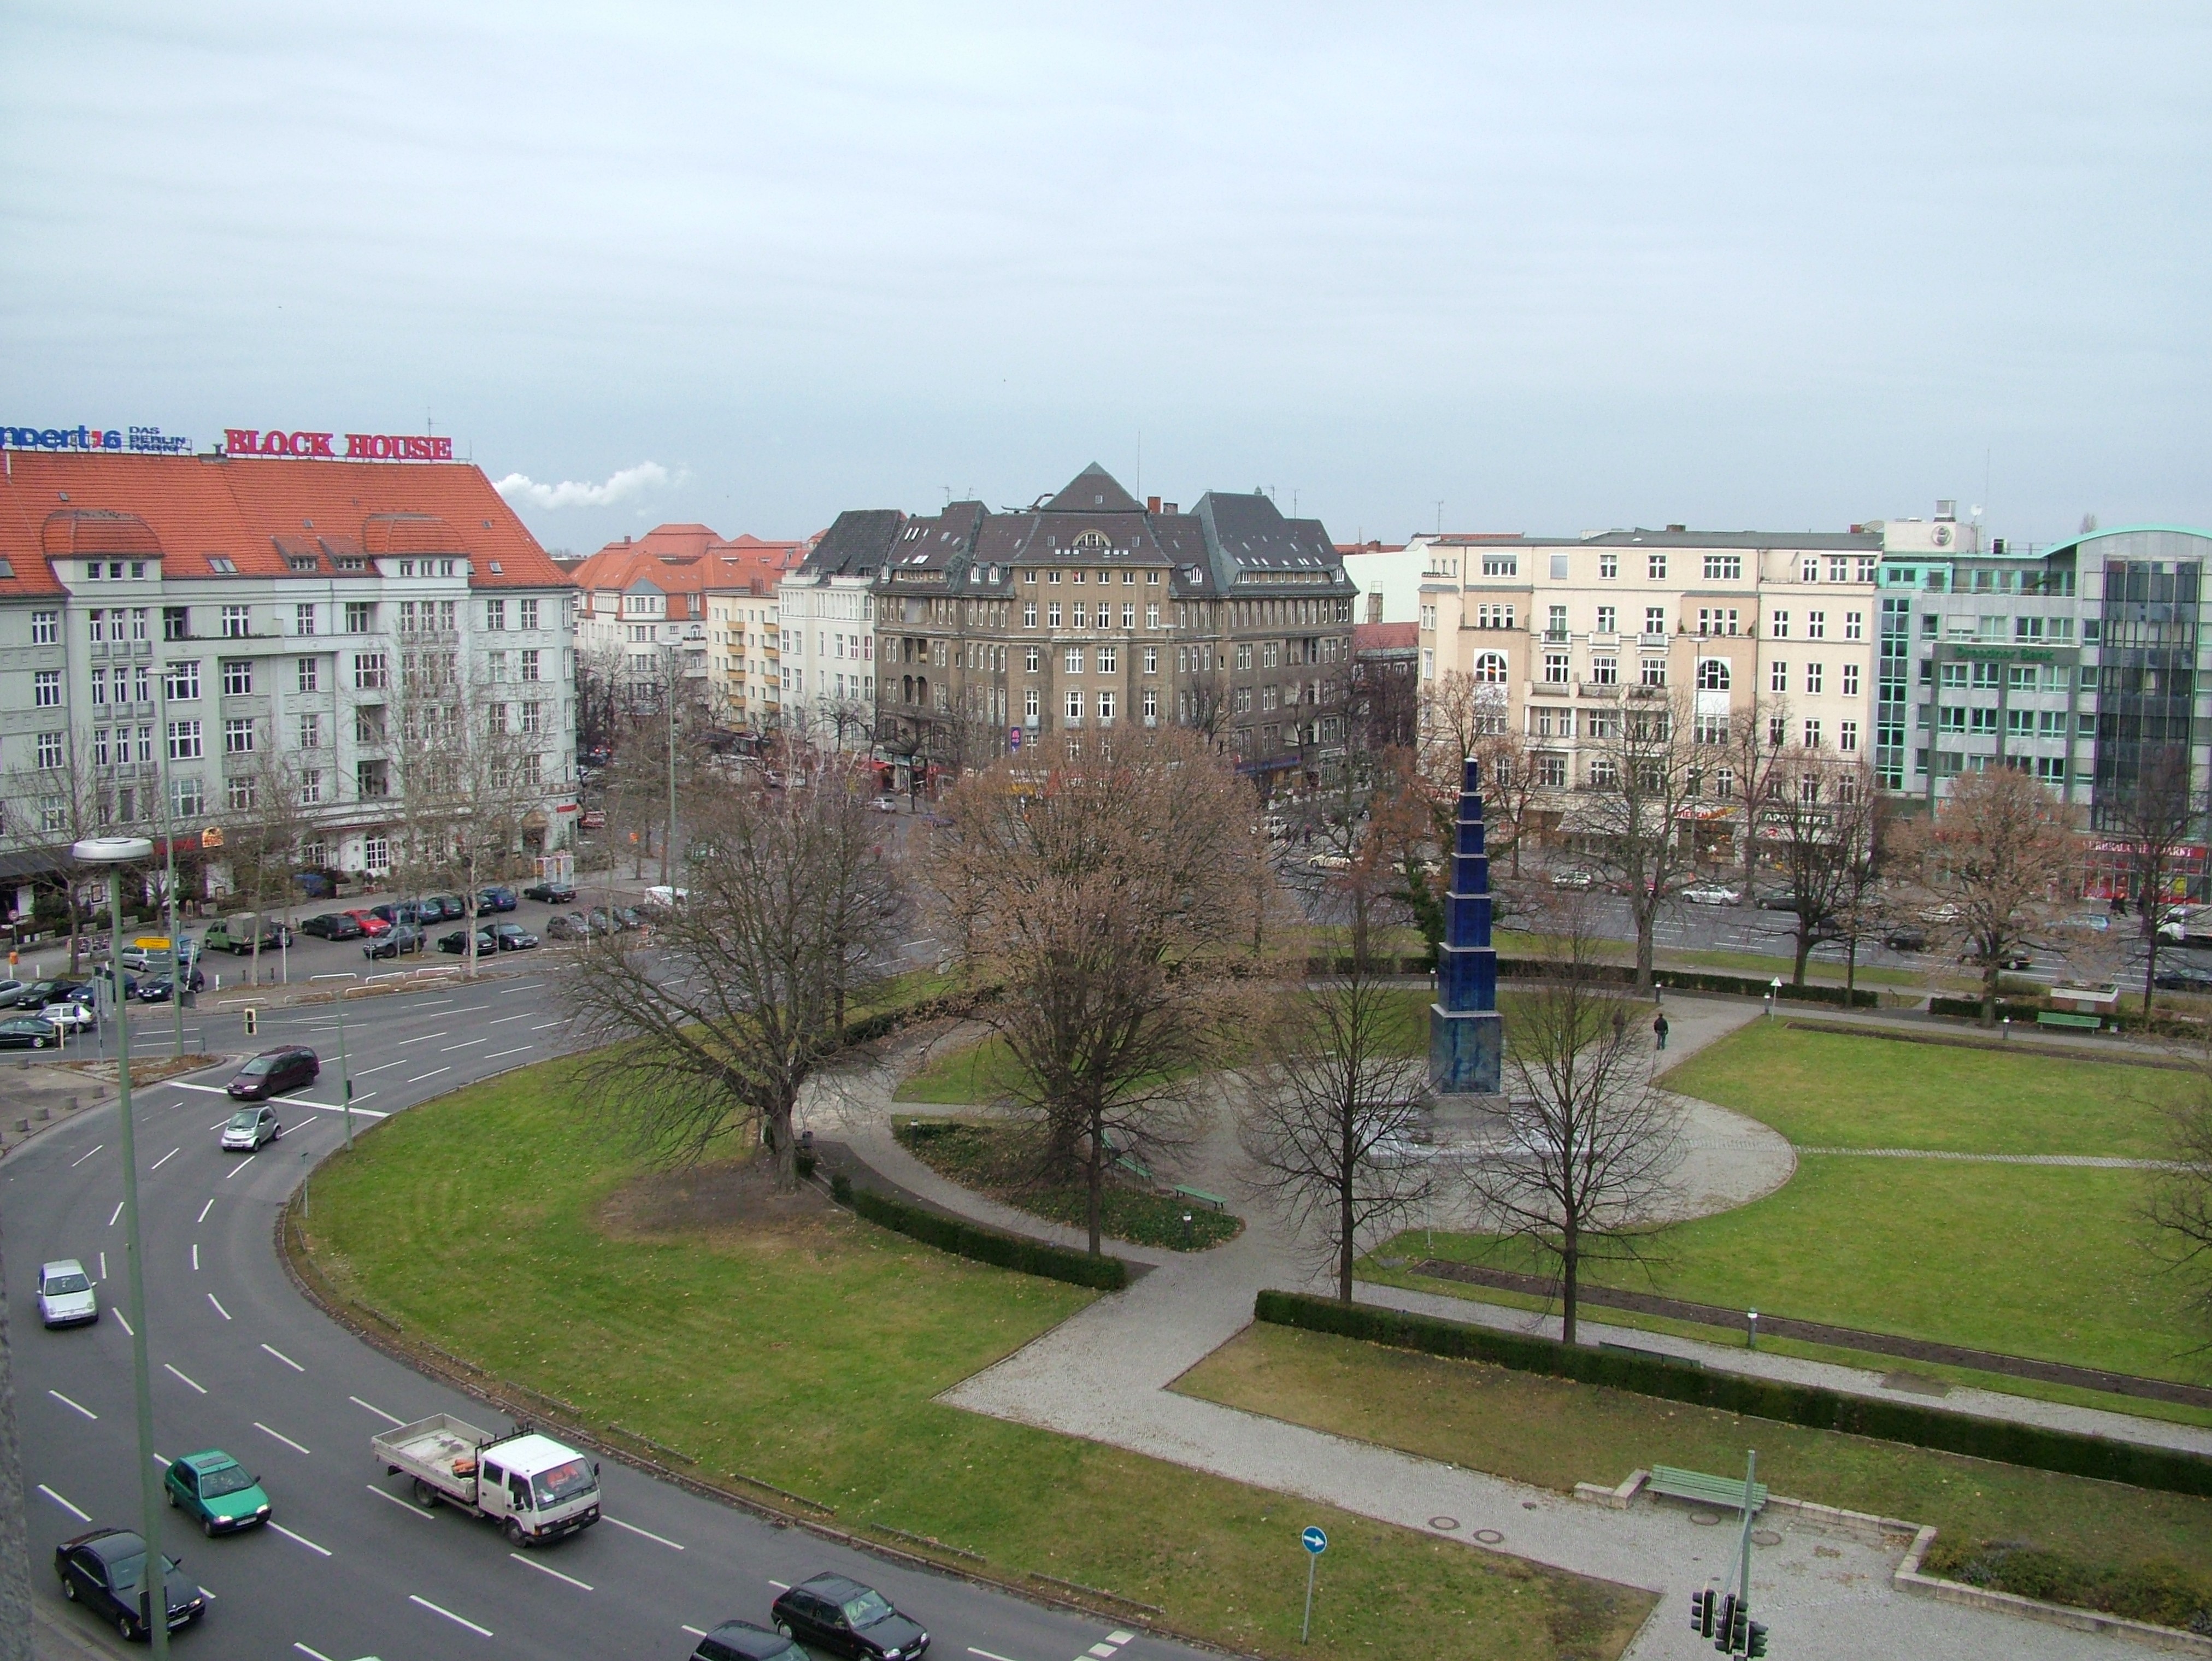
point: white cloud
(619, 488)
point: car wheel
(515, 1536)
(207, 1527)
(38, 1044)
(69, 1588)
(425, 1495)
(783, 1628)
(124, 1626)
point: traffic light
(1702, 1610)
(252, 1020)
(1739, 1627)
(1755, 1643)
(1723, 1626)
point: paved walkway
(1105, 1375)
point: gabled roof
(1094, 490)
(856, 543)
(259, 514)
(680, 561)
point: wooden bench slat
(1713, 1490)
(1199, 1194)
(2060, 1018)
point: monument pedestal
(1467, 1050)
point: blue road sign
(1314, 1541)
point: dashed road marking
(195, 1257)
(81, 1516)
(204, 1210)
(466, 1043)
(79, 1406)
(81, 1158)
(217, 1301)
(425, 1039)
(283, 1437)
(432, 1073)
(458, 1620)
(388, 1418)
(201, 1388)
(287, 1360)
(412, 1511)
(632, 1528)
(165, 1158)
(241, 1166)
(312, 1655)
(524, 1050)
(301, 1539)
(503, 1020)
(528, 1562)
(116, 1213)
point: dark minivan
(833, 1613)
(741, 1640)
(273, 1072)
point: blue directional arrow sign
(1314, 1541)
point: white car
(1329, 862)
(65, 1293)
(1710, 894)
(69, 1018)
(249, 1128)
(1573, 879)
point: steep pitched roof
(1094, 490)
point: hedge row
(884, 1022)
(1809, 1405)
(1691, 980)
(1970, 1008)
(987, 1246)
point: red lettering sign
(359, 447)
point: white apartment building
(828, 620)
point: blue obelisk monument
(1466, 1038)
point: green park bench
(1203, 1198)
(2088, 1023)
(1705, 1490)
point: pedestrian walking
(1659, 1030)
(1620, 1023)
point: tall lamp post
(112, 852)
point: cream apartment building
(1775, 627)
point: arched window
(1712, 675)
(1490, 667)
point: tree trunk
(1804, 948)
(1345, 1246)
(1570, 1278)
(2150, 962)
(1851, 969)
(1094, 1176)
(1991, 971)
(1647, 921)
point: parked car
(69, 1018)
(552, 893)
(370, 923)
(104, 1570)
(1907, 937)
(315, 885)
(458, 943)
(32, 996)
(8, 991)
(512, 937)
(402, 938)
(27, 1032)
(570, 925)
(628, 917)
(160, 989)
(884, 804)
(832, 1613)
(497, 898)
(216, 1491)
(65, 1293)
(154, 953)
(741, 1640)
(1776, 899)
(249, 1127)
(1329, 862)
(271, 1073)
(399, 912)
(1710, 894)
(2184, 977)
(450, 908)
(332, 925)
(1573, 879)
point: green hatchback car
(217, 1490)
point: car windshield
(563, 1482)
(123, 1573)
(260, 1065)
(61, 1283)
(231, 1479)
(867, 1608)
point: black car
(833, 1613)
(741, 1640)
(570, 925)
(1907, 939)
(514, 937)
(28, 1031)
(39, 993)
(458, 943)
(443, 908)
(2184, 977)
(275, 1071)
(103, 1570)
(553, 894)
(497, 898)
(160, 989)
(331, 925)
(397, 911)
(404, 937)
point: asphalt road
(348, 1568)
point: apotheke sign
(334, 447)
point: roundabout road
(240, 1361)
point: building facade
(828, 610)
(181, 630)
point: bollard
(1751, 1322)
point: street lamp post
(114, 851)
(345, 1077)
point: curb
(1909, 1579)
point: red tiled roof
(189, 507)
(1385, 637)
(684, 560)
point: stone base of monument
(1467, 1050)
(1464, 1117)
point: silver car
(249, 1128)
(65, 1293)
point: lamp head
(112, 849)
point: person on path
(1659, 1029)
(1620, 1024)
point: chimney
(1375, 607)
(1678, 529)
(1946, 508)
(1169, 508)
(1152, 504)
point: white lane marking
(458, 1621)
(217, 1302)
(205, 1593)
(79, 1406)
(201, 1388)
(425, 1039)
(532, 1563)
(632, 1528)
(81, 1516)
(1103, 1652)
(218, 1124)
(287, 1360)
(314, 1655)
(523, 1050)
(379, 1411)
(1120, 1637)
(283, 1437)
(432, 1073)
(503, 1020)
(241, 1166)
(116, 1213)
(466, 1043)
(366, 1113)
(205, 1089)
(164, 1463)
(204, 1210)
(526, 986)
(542, 1026)
(780, 1585)
(125, 1325)
(987, 1655)
(301, 1539)
(165, 1158)
(696, 1632)
(195, 1257)
(468, 1009)
(103, 1265)
(363, 1072)
(412, 1511)
(81, 1158)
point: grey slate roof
(856, 545)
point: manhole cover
(1704, 1519)
(1444, 1522)
(1490, 1536)
(1765, 1537)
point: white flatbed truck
(535, 1489)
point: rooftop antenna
(1440, 516)
(1140, 464)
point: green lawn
(1555, 1434)
(483, 1222)
(1834, 1090)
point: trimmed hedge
(1810, 1405)
(964, 1239)
(1970, 1008)
(1692, 981)
(868, 1029)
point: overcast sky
(1555, 266)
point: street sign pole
(1315, 1543)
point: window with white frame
(1109, 660)
(237, 622)
(1816, 625)
(187, 800)
(1713, 674)
(1152, 660)
(532, 659)
(237, 676)
(46, 689)
(1778, 625)
(1654, 568)
(1604, 671)
(310, 731)
(1105, 706)
(1854, 626)
(240, 794)
(1724, 567)
(1812, 735)
(45, 627)
(495, 614)
(1655, 672)
(1075, 706)
(238, 738)
(370, 672)
(1777, 676)
(1071, 660)
(1555, 669)
(303, 618)
(1850, 680)
(49, 751)
(1815, 673)
(307, 674)
(1490, 667)
(180, 682)
(1030, 703)
(185, 741)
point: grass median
(803, 1348)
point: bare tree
(2178, 1207)
(1816, 819)
(1578, 1164)
(49, 808)
(264, 821)
(1330, 1117)
(711, 1035)
(1752, 745)
(1643, 779)
(1994, 863)
(1110, 896)
(1513, 795)
(2156, 815)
